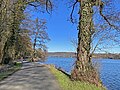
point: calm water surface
(109, 69)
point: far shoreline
(73, 55)
(92, 58)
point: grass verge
(10, 71)
(66, 84)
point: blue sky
(60, 30)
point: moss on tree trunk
(83, 70)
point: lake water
(109, 69)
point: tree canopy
(11, 16)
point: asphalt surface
(30, 77)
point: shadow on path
(30, 77)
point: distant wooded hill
(73, 54)
(109, 56)
(62, 54)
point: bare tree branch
(71, 15)
(99, 42)
(48, 4)
(105, 18)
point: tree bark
(4, 37)
(84, 35)
(7, 28)
(83, 69)
(5, 19)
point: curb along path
(30, 77)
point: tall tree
(83, 69)
(37, 33)
(40, 35)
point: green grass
(66, 84)
(10, 71)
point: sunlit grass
(66, 84)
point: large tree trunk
(83, 69)
(6, 29)
(4, 37)
(5, 33)
(84, 35)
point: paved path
(30, 77)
